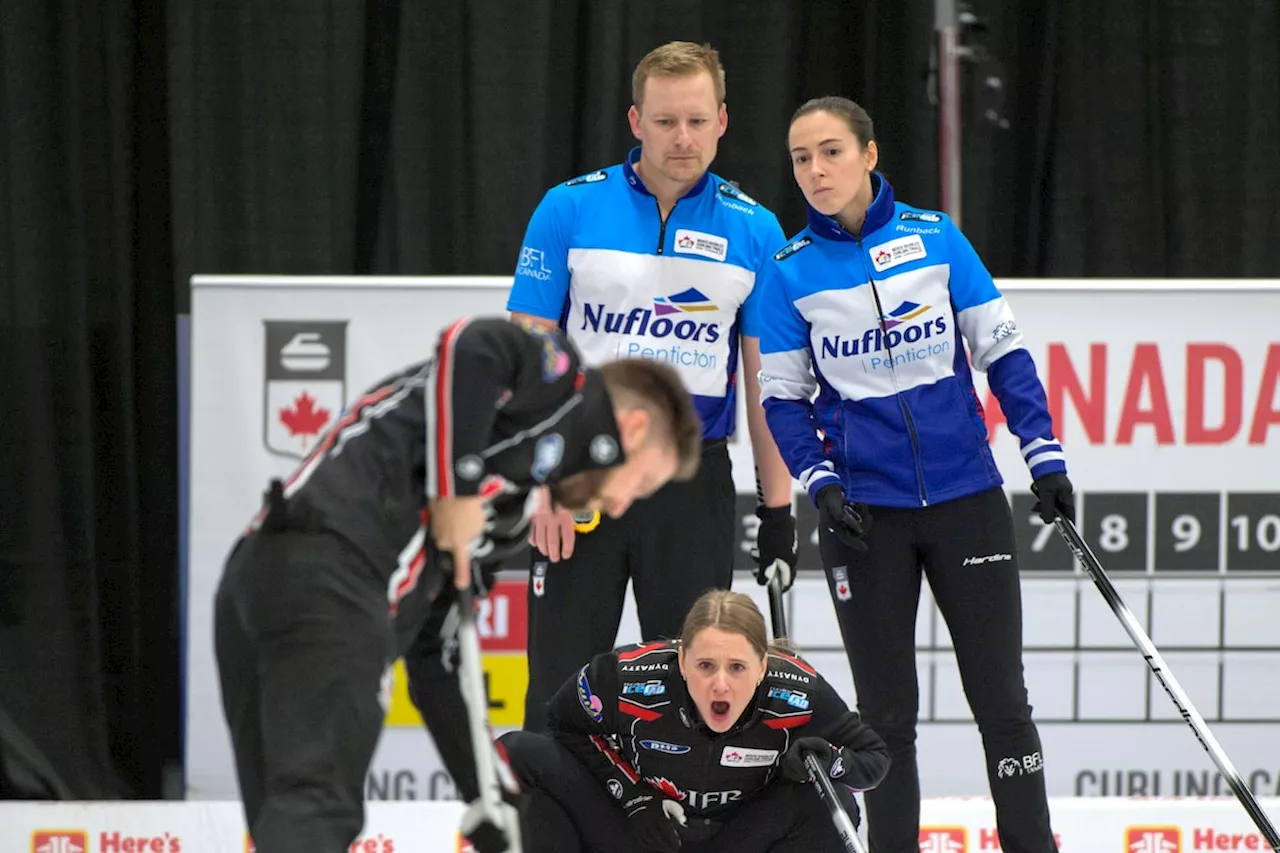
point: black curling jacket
(627, 716)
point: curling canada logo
(304, 383)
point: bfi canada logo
(59, 841)
(1153, 839)
(944, 839)
(305, 383)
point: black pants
(673, 547)
(565, 809)
(302, 641)
(966, 548)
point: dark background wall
(142, 142)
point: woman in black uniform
(693, 745)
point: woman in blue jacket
(870, 307)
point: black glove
(791, 766)
(653, 819)
(776, 545)
(1053, 497)
(848, 521)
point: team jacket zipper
(893, 371)
(662, 227)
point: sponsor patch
(795, 246)
(733, 192)
(590, 702)
(589, 178)
(663, 746)
(840, 582)
(896, 252)
(644, 688)
(700, 243)
(919, 216)
(533, 264)
(741, 756)
(603, 449)
(547, 454)
(794, 698)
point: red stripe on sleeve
(444, 410)
(615, 759)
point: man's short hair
(656, 387)
(678, 59)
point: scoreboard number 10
(1165, 532)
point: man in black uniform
(353, 561)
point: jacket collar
(634, 181)
(878, 214)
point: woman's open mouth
(720, 709)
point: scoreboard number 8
(1115, 533)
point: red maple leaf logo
(665, 786)
(842, 589)
(304, 418)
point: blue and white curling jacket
(876, 325)
(598, 258)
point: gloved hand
(491, 831)
(849, 521)
(776, 545)
(791, 765)
(1053, 496)
(653, 818)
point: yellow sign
(506, 680)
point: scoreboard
(1161, 533)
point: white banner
(1166, 399)
(947, 826)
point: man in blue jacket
(655, 257)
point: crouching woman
(693, 745)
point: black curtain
(142, 142)
(88, 496)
